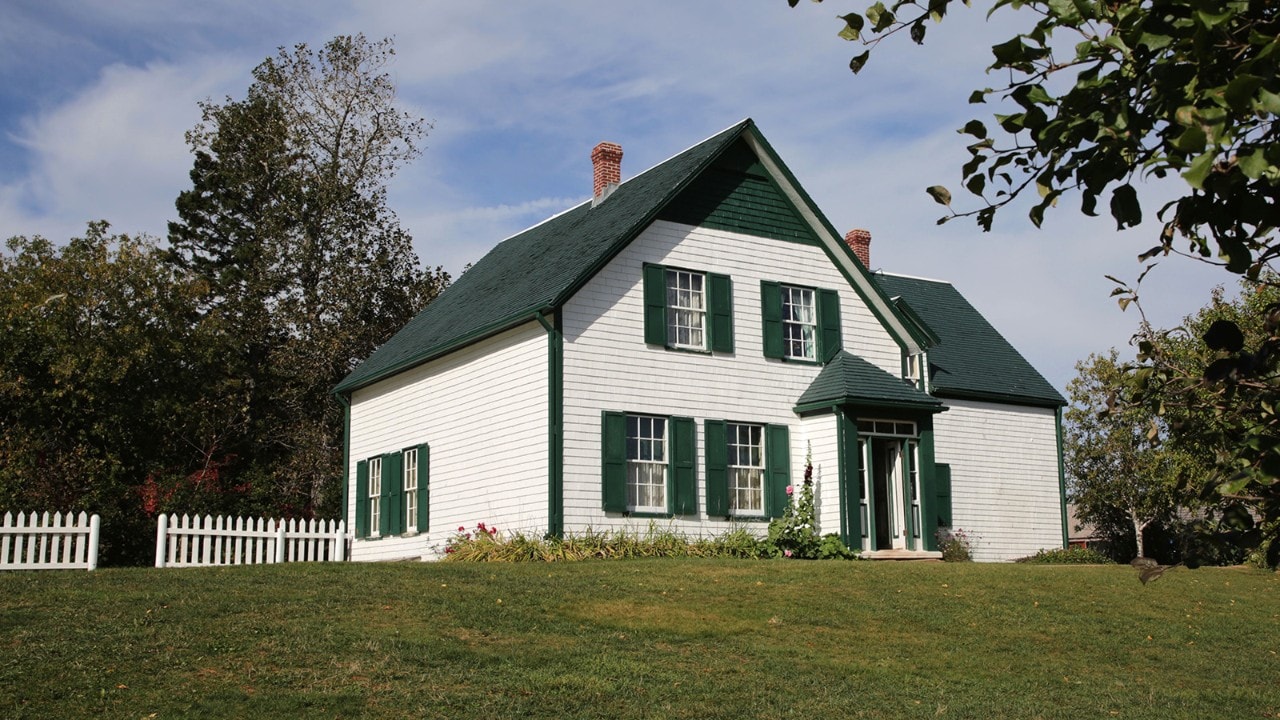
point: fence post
(162, 531)
(279, 542)
(95, 526)
(339, 543)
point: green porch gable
(733, 181)
(971, 359)
(850, 380)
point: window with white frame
(916, 365)
(410, 465)
(646, 463)
(375, 496)
(686, 309)
(799, 323)
(746, 469)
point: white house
(672, 351)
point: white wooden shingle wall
(819, 433)
(1004, 476)
(608, 366)
(483, 411)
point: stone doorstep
(901, 555)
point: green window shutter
(655, 305)
(771, 318)
(777, 469)
(721, 306)
(716, 445)
(424, 488)
(392, 520)
(682, 464)
(613, 443)
(362, 499)
(828, 324)
(942, 488)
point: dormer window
(915, 369)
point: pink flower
(787, 553)
(462, 528)
(790, 489)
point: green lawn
(640, 639)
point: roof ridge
(912, 277)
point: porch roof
(850, 380)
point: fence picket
(48, 541)
(227, 540)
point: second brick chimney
(860, 241)
(606, 160)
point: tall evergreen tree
(308, 268)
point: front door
(889, 481)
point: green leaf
(1199, 169)
(1010, 52)
(1224, 335)
(1125, 207)
(1239, 92)
(978, 96)
(940, 194)
(1254, 164)
(917, 32)
(1267, 101)
(976, 184)
(856, 64)
(975, 128)
(853, 24)
(1192, 140)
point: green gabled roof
(850, 380)
(971, 360)
(538, 269)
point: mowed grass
(640, 639)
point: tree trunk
(1138, 528)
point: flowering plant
(955, 545)
(482, 534)
(795, 534)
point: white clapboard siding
(1004, 476)
(608, 366)
(820, 437)
(483, 411)
(195, 541)
(44, 541)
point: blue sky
(95, 99)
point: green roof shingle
(538, 269)
(972, 360)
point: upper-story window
(799, 323)
(688, 309)
(916, 370)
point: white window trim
(409, 463)
(638, 468)
(808, 341)
(375, 497)
(696, 308)
(737, 470)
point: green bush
(1067, 556)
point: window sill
(646, 514)
(690, 350)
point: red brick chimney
(860, 241)
(606, 159)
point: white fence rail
(49, 542)
(188, 541)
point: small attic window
(915, 369)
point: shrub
(955, 544)
(1067, 556)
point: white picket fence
(188, 541)
(49, 542)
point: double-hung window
(748, 469)
(688, 309)
(648, 464)
(375, 497)
(410, 484)
(392, 494)
(799, 323)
